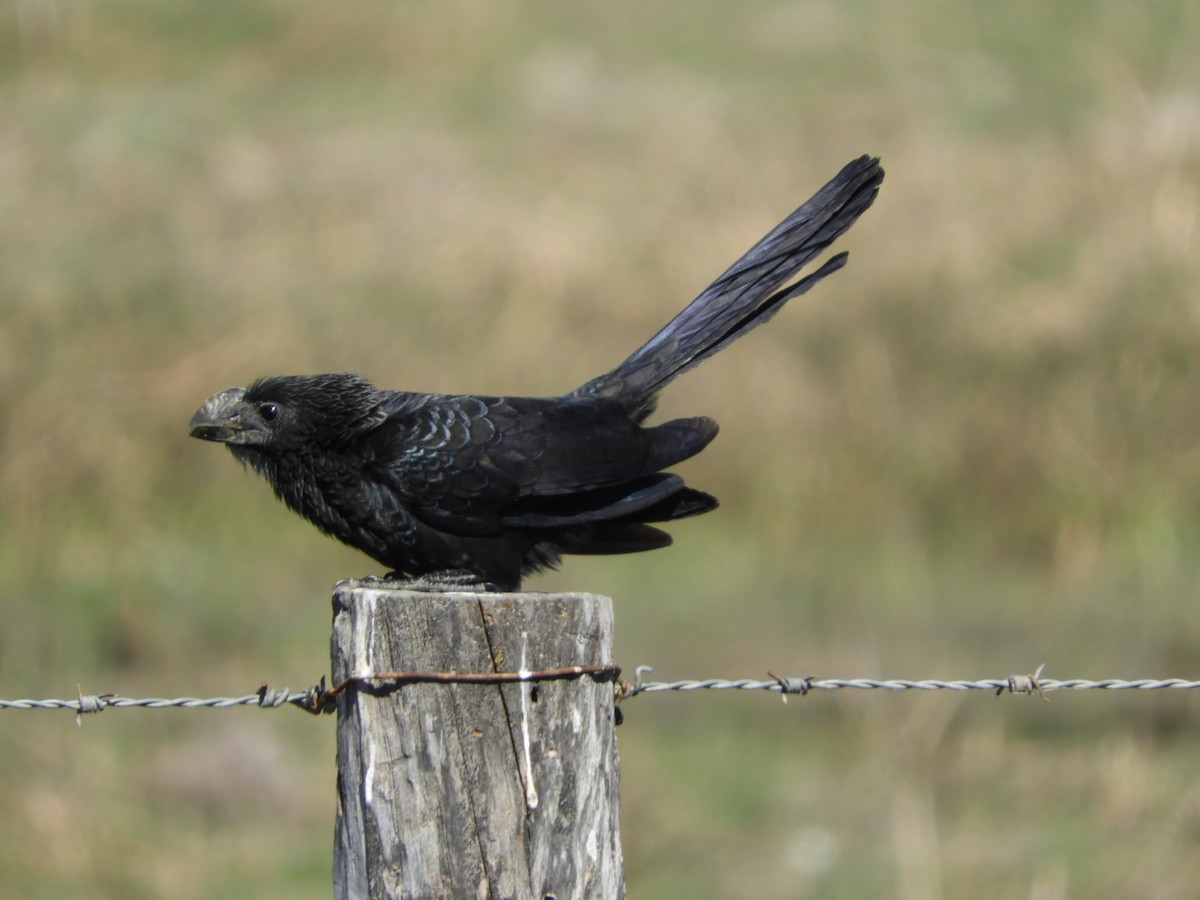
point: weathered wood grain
(455, 790)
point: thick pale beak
(221, 418)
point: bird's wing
(479, 464)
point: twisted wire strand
(312, 699)
(1013, 684)
(86, 704)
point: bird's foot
(444, 581)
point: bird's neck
(293, 476)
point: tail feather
(748, 294)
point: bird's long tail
(748, 294)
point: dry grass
(971, 452)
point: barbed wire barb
(1026, 684)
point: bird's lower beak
(219, 418)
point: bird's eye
(269, 412)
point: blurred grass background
(971, 452)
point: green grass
(972, 452)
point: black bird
(478, 491)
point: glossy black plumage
(471, 489)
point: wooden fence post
(474, 790)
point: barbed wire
(321, 699)
(1013, 684)
(86, 704)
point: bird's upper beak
(221, 418)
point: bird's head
(286, 413)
